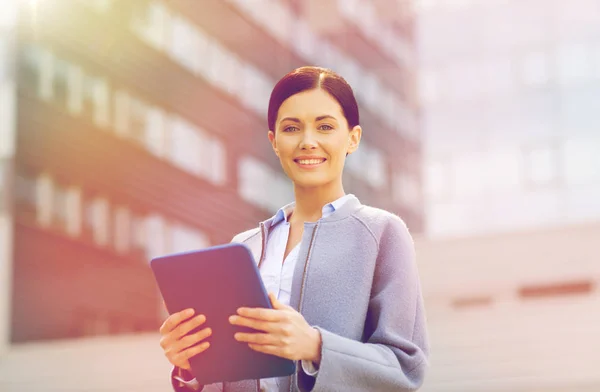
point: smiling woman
(342, 278)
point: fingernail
(232, 319)
(189, 312)
(236, 336)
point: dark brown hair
(308, 78)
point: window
(155, 133)
(73, 207)
(138, 121)
(44, 198)
(215, 160)
(100, 99)
(185, 238)
(428, 88)
(185, 146)
(497, 76)
(8, 113)
(75, 82)
(121, 113)
(253, 180)
(122, 229)
(503, 170)
(582, 161)
(406, 190)
(153, 24)
(26, 196)
(8, 14)
(261, 185)
(541, 165)
(304, 39)
(437, 180)
(185, 44)
(535, 70)
(574, 63)
(469, 175)
(156, 236)
(96, 220)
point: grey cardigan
(356, 281)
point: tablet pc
(216, 281)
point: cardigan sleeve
(393, 355)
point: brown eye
(326, 127)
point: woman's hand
(285, 332)
(178, 347)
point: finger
(185, 327)
(259, 325)
(274, 302)
(257, 338)
(193, 339)
(185, 355)
(261, 314)
(174, 320)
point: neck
(310, 201)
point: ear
(271, 136)
(354, 139)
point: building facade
(139, 129)
(510, 92)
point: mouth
(309, 162)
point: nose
(308, 142)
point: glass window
(535, 70)
(155, 134)
(153, 24)
(216, 161)
(376, 169)
(75, 86)
(26, 196)
(406, 190)
(581, 160)
(73, 207)
(574, 63)
(96, 220)
(138, 121)
(185, 238)
(304, 39)
(503, 170)
(184, 44)
(99, 96)
(497, 76)
(542, 165)
(186, 146)
(8, 14)
(122, 229)
(253, 181)
(428, 86)
(156, 236)
(438, 179)
(469, 175)
(44, 199)
(121, 113)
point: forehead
(310, 104)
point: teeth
(310, 161)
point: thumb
(275, 302)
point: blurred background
(135, 128)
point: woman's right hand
(178, 347)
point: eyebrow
(319, 118)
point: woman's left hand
(285, 332)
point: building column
(8, 101)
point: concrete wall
(486, 336)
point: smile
(310, 162)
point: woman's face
(312, 138)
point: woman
(342, 276)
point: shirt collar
(284, 212)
